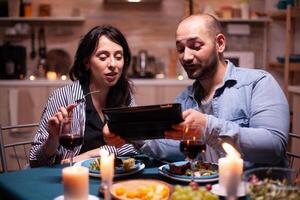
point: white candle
(107, 166)
(107, 172)
(76, 183)
(230, 170)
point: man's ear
(221, 42)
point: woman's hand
(52, 141)
(111, 138)
(55, 121)
(193, 121)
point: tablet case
(143, 122)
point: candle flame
(185, 129)
(230, 150)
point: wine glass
(72, 129)
(192, 145)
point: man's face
(196, 50)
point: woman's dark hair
(120, 94)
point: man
(245, 107)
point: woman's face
(106, 63)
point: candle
(107, 166)
(76, 183)
(107, 171)
(230, 171)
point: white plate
(221, 192)
(140, 167)
(91, 197)
(203, 179)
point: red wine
(70, 141)
(192, 148)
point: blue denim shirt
(250, 108)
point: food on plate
(142, 191)
(188, 192)
(125, 163)
(179, 169)
(128, 163)
(269, 189)
(201, 169)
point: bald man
(245, 107)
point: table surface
(46, 182)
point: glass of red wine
(192, 145)
(72, 130)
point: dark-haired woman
(101, 64)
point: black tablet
(143, 122)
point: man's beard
(205, 70)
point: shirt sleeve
(163, 149)
(264, 141)
(36, 155)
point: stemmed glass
(192, 145)
(72, 129)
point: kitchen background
(46, 38)
(147, 26)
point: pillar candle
(76, 183)
(230, 170)
(107, 166)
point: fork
(83, 98)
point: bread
(128, 163)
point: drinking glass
(72, 130)
(193, 145)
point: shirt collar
(228, 81)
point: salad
(269, 189)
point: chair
(294, 157)
(17, 151)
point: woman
(101, 64)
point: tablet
(143, 122)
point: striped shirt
(61, 98)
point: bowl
(272, 183)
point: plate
(221, 192)
(91, 197)
(164, 170)
(119, 171)
(142, 187)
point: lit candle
(230, 171)
(76, 183)
(107, 171)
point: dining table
(45, 183)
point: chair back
(294, 155)
(14, 149)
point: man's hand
(194, 123)
(111, 138)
